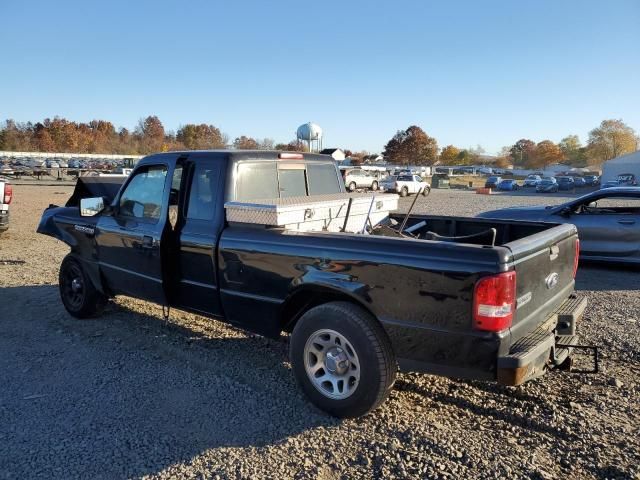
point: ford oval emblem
(551, 281)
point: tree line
(610, 139)
(412, 146)
(100, 136)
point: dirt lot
(126, 396)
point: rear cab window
(272, 179)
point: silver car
(608, 222)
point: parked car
(579, 182)
(610, 184)
(627, 180)
(6, 195)
(405, 185)
(508, 185)
(359, 178)
(531, 180)
(357, 306)
(592, 180)
(608, 222)
(547, 185)
(492, 182)
(566, 183)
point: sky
(467, 72)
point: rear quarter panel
(420, 291)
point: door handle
(627, 222)
(147, 241)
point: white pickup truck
(405, 184)
(6, 194)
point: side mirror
(90, 207)
(566, 212)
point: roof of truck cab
(240, 155)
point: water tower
(310, 133)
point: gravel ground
(127, 395)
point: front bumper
(548, 346)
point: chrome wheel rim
(332, 364)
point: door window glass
(202, 194)
(142, 198)
(620, 205)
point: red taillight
(575, 260)
(290, 156)
(8, 193)
(494, 302)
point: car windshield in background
(492, 179)
(547, 182)
(405, 178)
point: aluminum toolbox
(318, 212)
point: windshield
(493, 179)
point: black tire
(79, 296)
(352, 187)
(374, 186)
(404, 192)
(377, 369)
(426, 191)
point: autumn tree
(265, 144)
(545, 154)
(151, 134)
(610, 140)
(411, 147)
(449, 155)
(521, 151)
(245, 143)
(574, 152)
(503, 159)
(466, 157)
(200, 137)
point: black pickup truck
(446, 300)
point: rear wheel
(79, 297)
(374, 186)
(342, 359)
(352, 187)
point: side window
(202, 194)
(142, 198)
(257, 180)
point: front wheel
(426, 191)
(79, 297)
(352, 187)
(342, 359)
(374, 186)
(404, 192)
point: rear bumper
(4, 220)
(537, 352)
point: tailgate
(544, 265)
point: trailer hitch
(589, 348)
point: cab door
(129, 240)
(193, 281)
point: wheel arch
(308, 296)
